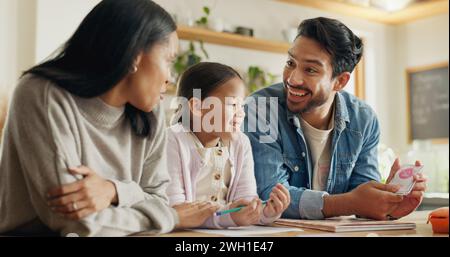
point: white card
(405, 178)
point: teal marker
(233, 210)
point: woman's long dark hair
(103, 49)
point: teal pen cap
(232, 210)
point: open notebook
(347, 224)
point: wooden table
(419, 217)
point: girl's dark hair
(103, 49)
(340, 42)
(206, 76)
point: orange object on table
(439, 220)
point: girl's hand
(279, 201)
(84, 197)
(192, 215)
(248, 215)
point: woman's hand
(279, 201)
(249, 214)
(84, 197)
(192, 215)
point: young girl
(209, 158)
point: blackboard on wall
(428, 103)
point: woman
(84, 142)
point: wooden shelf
(413, 12)
(229, 39)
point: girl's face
(147, 85)
(228, 106)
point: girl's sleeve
(247, 183)
(176, 190)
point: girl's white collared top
(213, 179)
(186, 165)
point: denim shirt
(286, 158)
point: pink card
(404, 178)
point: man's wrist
(311, 204)
(337, 205)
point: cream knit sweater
(48, 130)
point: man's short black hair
(344, 47)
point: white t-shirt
(213, 179)
(319, 143)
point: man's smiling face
(308, 76)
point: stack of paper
(247, 230)
(346, 224)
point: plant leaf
(202, 47)
(191, 47)
(206, 10)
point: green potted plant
(188, 58)
(203, 21)
(256, 78)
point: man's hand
(413, 199)
(370, 200)
(375, 200)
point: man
(325, 149)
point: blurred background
(403, 75)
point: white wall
(7, 30)
(56, 22)
(421, 43)
(17, 40)
(426, 41)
